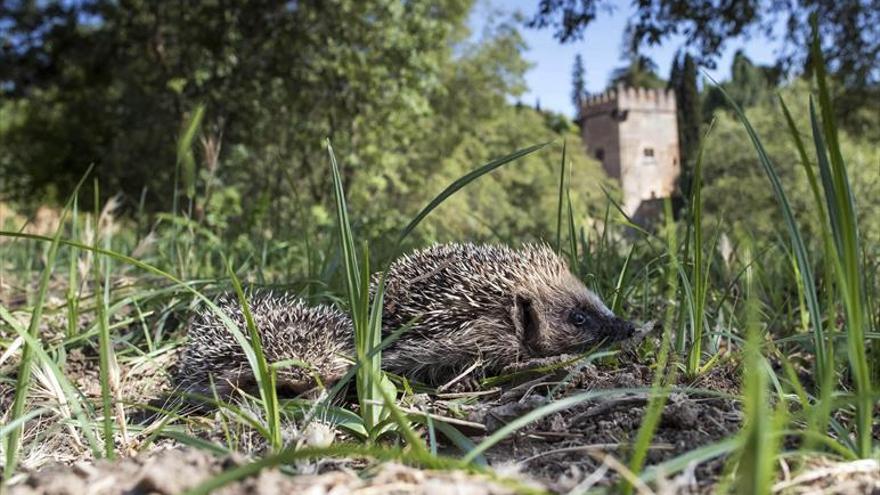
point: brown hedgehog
(460, 305)
(319, 336)
(488, 304)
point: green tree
(674, 73)
(733, 178)
(98, 81)
(749, 85)
(518, 202)
(408, 99)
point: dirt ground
(558, 453)
(566, 452)
(565, 449)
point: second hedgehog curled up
(464, 304)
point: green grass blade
(346, 239)
(71, 394)
(105, 350)
(824, 346)
(844, 224)
(72, 272)
(185, 158)
(697, 270)
(265, 378)
(574, 262)
(460, 440)
(343, 418)
(187, 286)
(805, 161)
(758, 456)
(369, 377)
(561, 200)
(849, 277)
(371, 384)
(690, 458)
(616, 301)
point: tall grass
(664, 375)
(72, 276)
(699, 274)
(185, 173)
(844, 261)
(264, 375)
(22, 385)
(365, 315)
(560, 200)
(760, 440)
(844, 229)
(80, 409)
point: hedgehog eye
(577, 318)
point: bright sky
(549, 80)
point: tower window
(649, 152)
(600, 154)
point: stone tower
(634, 133)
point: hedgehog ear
(526, 320)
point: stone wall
(634, 133)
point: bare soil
(570, 447)
(560, 452)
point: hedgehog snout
(617, 329)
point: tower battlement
(626, 98)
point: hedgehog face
(568, 318)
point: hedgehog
(319, 338)
(457, 306)
(491, 305)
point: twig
(597, 447)
(623, 471)
(436, 417)
(460, 376)
(594, 477)
(608, 406)
(478, 393)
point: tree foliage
(732, 179)
(850, 28)
(640, 72)
(107, 81)
(749, 85)
(516, 202)
(395, 85)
